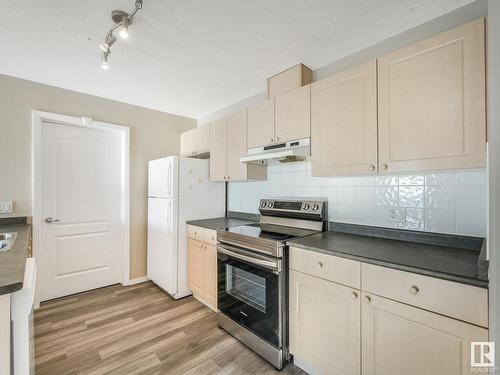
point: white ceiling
(193, 57)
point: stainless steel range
(253, 274)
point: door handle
(51, 220)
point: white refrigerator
(179, 189)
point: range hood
(284, 152)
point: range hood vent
(284, 152)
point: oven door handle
(272, 265)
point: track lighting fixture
(108, 43)
(124, 28)
(122, 22)
(104, 63)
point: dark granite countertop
(220, 223)
(13, 261)
(454, 263)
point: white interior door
(81, 195)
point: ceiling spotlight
(104, 63)
(124, 28)
(107, 44)
(122, 22)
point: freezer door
(163, 177)
(163, 243)
(193, 176)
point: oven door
(250, 291)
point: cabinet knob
(367, 299)
(414, 290)
(372, 167)
(277, 138)
(320, 265)
(354, 295)
(272, 139)
(385, 167)
(201, 245)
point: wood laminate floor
(137, 330)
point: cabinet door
(202, 139)
(236, 145)
(344, 122)
(187, 143)
(260, 128)
(196, 268)
(293, 115)
(218, 150)
(324, 325)
(400, 339)
(432, 103)
(210, 275)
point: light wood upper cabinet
(260, 129)
(344, 122)
(196, 142)
(325, 328)
(218, 150)
(432, 102)
(228, 142)
(236, 145)
(293, 115)
(400, 339)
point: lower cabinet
(340, 330)
(202, 260)
(325, 328)
(400, 339)
(210, 275)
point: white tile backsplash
(452, 202)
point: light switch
(6, 207)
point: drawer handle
(367, 299)
(354, 295)
(320, 265)
(414, 290)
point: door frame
(39, 117)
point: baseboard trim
(136, 281)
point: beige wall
(153, 134)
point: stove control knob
(263, 204)
(270, 205)
(315, 207)
(306, 206)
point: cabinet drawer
(328, 267)
(210, 236)
(196, 233)
(460, 301)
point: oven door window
(247, 287)
(249, 294)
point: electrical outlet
(6, 207)
(397, 215)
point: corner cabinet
(401, 339)
(228, 143)
(196, 142)
(325, 329)
(432, 105)
(344, 122)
